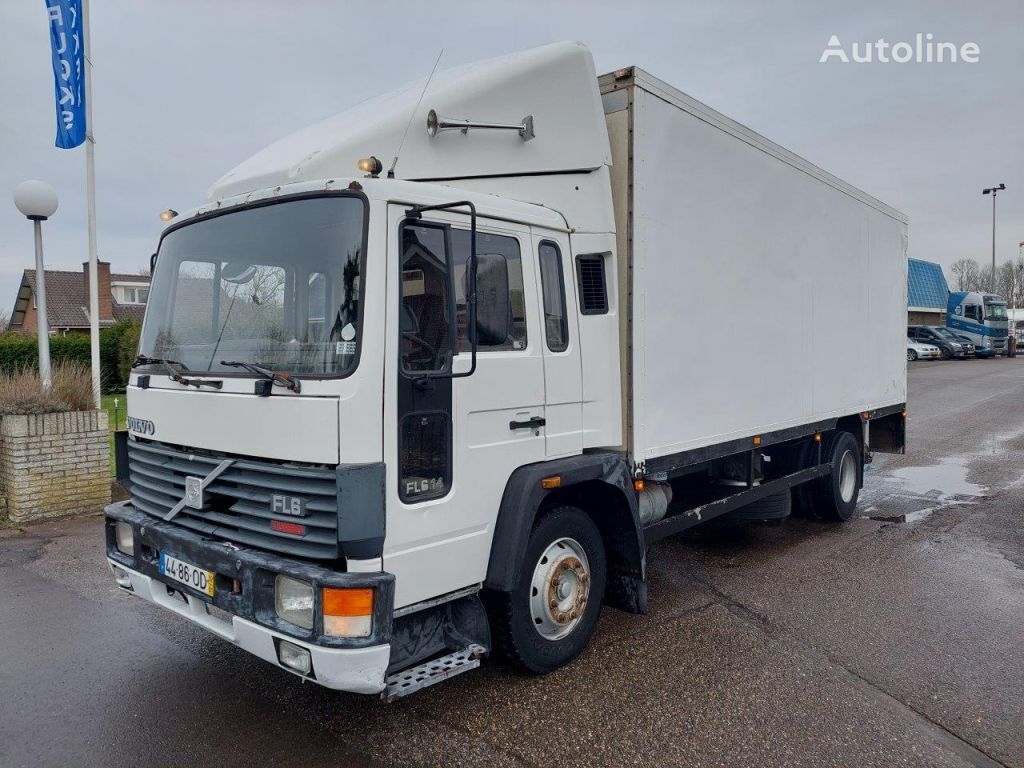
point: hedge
(18, 351)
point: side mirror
(493, 310)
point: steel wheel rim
(847, 476)
(559, 589)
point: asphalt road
(877, 643)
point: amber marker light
(347, 612)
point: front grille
(237, 504)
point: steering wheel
(423, 345)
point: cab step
(434, 671)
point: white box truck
(390, 416)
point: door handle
(535, 423)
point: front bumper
(242, 608)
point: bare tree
(267, 286)
(968, 274)
(1010, 282)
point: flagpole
(90, 206)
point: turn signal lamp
(639, 485)
(347, 612)
(371, 166)
(555, 481)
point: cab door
(451, 442)
(563, 377)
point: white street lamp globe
(35, 199)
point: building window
(133, 295)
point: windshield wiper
(143, 360)
(281, 379)
(174, 370)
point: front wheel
(548, 618)
(946, 354)
(911, 355)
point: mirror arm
(416, 213)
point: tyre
(834, 497)
(946, 354)
(548, 618)
(911, 355)
(775, 507)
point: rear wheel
(911, 355)
(834, 497)
(775, 507)
(548, 618)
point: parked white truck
(385, 422)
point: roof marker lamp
(348, 612)
(167, 215)
(371, 166)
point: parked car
(947, 342)
(918, 351)
(980, 350)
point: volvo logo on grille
(141, 426)
(194, 492)
(295, 506)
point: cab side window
(493, 252)
(426, 334)
(552, 283)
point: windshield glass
(995, 311)
(942, 333)
(276, 285)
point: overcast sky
(185, 90)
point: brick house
(122, 297)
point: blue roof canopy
(926, 285)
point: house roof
(67, 302)
(926, 285)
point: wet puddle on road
(947, 479)
(911, 494)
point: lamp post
(992, 191)
(38, 202)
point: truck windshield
(275, 285)
(995, 311)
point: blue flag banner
(67, 48)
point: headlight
(957, 347)
(124, 538)
(293, 601)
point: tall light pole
(38, 202)
(992, 191)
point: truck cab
(982, 317)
